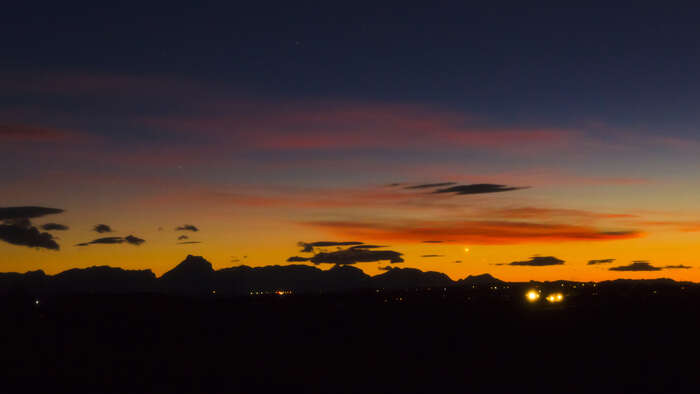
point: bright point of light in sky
(466, 249)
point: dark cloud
(187, 227)
(602, 261)
(433, 255)
(134, 240)
(363, 246)
(351, 255)
(539, 261)
(386, 268)
(189, 242)
(679, 266)
(25, 235)
(478, 188)
(297, 259)
(54, 227)
(430, 185)
(27, 212)
(636, 266)
(102, 228)
(130, 239)
(308, 247)
(180, 238)
(458, 261)
(433, 242)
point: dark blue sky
(547, 65)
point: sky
(534, 143)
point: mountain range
(196, 276)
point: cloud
(433, 242)
(602, 261)
(27, 212)
(296, 259)
(535, 213)
(430, 185)
(102, 228)
(54, 227)
(187, 227)
(134, 240)
(385, 268)
(350, 256)
(24, 235)
(679, 266)
(189, 242)
(478, 188)
(539, 261)
(363, 246)
(308, 247)
(309, 125)
(130, 239)
(27, 133)
(636, 266)
(433, 255)
(458, 261)
(180, 238)
(470, 231)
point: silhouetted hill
(483, 279)
(196, 276)
(410, 277)
(104, 279)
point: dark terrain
(621, 336)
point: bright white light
(36, 302)
(555, 297)
(532, 295)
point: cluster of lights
(534, 295)
(278, 292)
(555, 297)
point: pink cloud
(356, 126)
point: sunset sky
(544, 137)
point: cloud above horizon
(187, 227)
(358, 252)
(54, 227)
(539, 261)
(23, 235)
(102, 228)
(308, 247)
(641, 265)
(430, 185)
(27, 212)
(471, 231)
(479, 188)
(601, 261)
(130, 239)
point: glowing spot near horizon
(466, 250)
(532, 295)
(556, 297)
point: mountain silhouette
(481, 280)
(410, 277)
(195, 276)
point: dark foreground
(372, 342)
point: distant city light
(555, 297)
(532, 295)
(36, 302)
